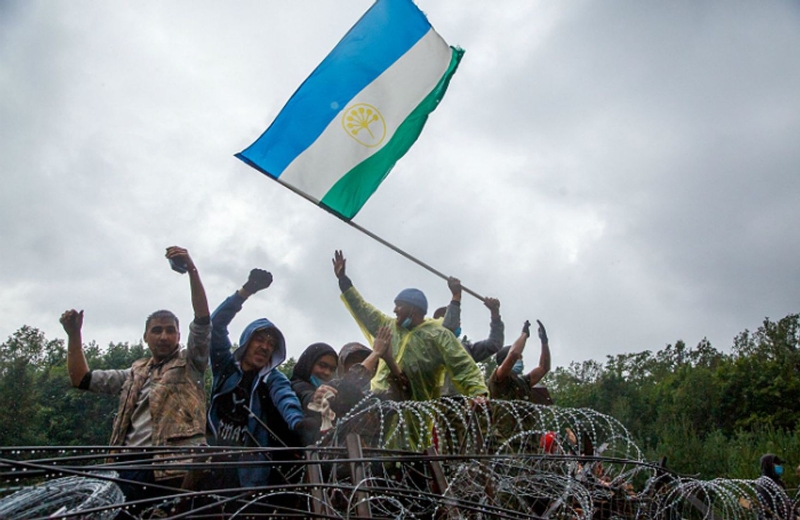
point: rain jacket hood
(302, 370)
(271, 397)
(278, 357)
(349, 350)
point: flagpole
(408, 256)
(378, 239)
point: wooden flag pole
(376, 238)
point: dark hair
(161, 315)
(438, 313)
(502, 354)
(306, 361)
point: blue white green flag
(360, 111)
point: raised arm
(200, 328)
(223, 315)
(452, 316)
(539, 372)
(199, 300)
(369, 318)
(381, 347)
(72, 321)
(339, 269)
(481, 350)
(515, 354)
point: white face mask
(406, 323)
(518, 367)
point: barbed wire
(451, 458)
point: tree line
(711, 413)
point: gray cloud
(626, 173)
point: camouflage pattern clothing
(161, 404)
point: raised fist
(526, 329)
(72, 321)
(258, 279)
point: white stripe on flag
(395, 93)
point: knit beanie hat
(413, 297)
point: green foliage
(710, 413)
(287, 367)
(40, 405)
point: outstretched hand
(72, 321)
(542, 332)
(339, 264)
(259, 279)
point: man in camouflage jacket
(162, 397)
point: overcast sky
(626, 172)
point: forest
(712, 413)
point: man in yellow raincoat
(423, 349)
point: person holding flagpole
(422, 348)
(479, 350)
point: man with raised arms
(508, 381)
(252, 402)
(161, 397)
(423, 350)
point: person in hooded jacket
(423, 350)
(311, 374)
(315, 367)
(771, 490)
(252, 403)
(479, 350)
(351, 354)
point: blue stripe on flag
(385, 32)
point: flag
(359, 112)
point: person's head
(351, 354)
(501, 356)
(316, 365)
(324, 368)
(261, 346)
(410, 307)
(162, 334)
(439, 313)
(772, 466)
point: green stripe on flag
(350, 192)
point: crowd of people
(162, 398)
(163, 401)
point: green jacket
(424, 353)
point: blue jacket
(227, 373)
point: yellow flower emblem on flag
(365, 124)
